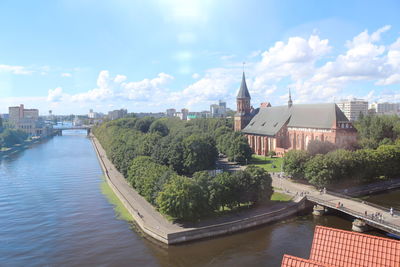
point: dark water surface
(52, 213)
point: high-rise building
(27, 120)
(386, 108)
(19, 112)
(352, 108)
(117, 114)
(170, 112)
(218, 110)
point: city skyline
(72, 56)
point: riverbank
(19, 147)
(152, 223)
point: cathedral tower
(242, 116)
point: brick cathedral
(292, 126)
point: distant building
(198, 115)
(352, 108)
(385, 108)
(94, 115)
(19, 112)
(155, 115)
(117, 114)
(27, 120)
(218, 110)
(170, 112)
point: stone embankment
(152, 223)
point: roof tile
(345, 248)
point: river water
(53, 213)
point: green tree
(320, 147)
(294, 163)
(159, 127)
(182, 199)
(257, 187)
(143, 124)
(199, 153)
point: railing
(363, 202)
(375, 222)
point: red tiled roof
(345, 248)
(291, 261)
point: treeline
(187, 147)
(157, 156)
(187, 198)
(376, 130)
(10, 137)
(344, 166)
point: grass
(276, 196)
(267, 163)
(121, 212)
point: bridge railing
(369, 218)
(395, 212)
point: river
(53, 213)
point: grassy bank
(267, 163)
(121, 212)
(280, 197)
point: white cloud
(195, 76)
(55, 95)
(147, 89)
(227, 57)
(66, 74)
(19, 70)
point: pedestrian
(391, 211)
(366, 213)
(324, 190)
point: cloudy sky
(73, 55)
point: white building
(218, 110)
(352, 108)
(386, 108)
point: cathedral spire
(243, 91)
(290, 102)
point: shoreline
(25, 145)
(154, 225)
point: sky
(70, 56)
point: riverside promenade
(152, 223)
(356, 208)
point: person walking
(391, 211)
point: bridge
(59, 130)
(363, 211)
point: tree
(259, 186)
(294, 163)
(224, 191)
(159, 127)
(148, 177)
(199, 153)
(182, 198)
(143, 124)
(320, 147)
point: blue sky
(73, 55)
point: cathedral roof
(243, 91)
(270, 120)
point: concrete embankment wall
(238, 225)
(201, 232)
